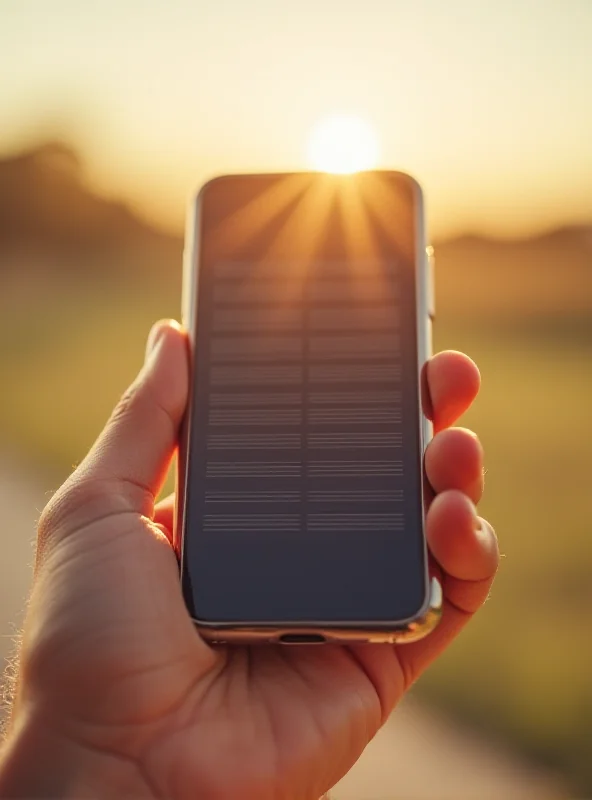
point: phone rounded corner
(428, 617)
(423, 622)
(205, 187)
(410, 180)
(414, 183)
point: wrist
(37, 761)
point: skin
(119, 696)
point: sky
(488, 103)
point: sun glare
(343, 144)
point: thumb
(128, 463)
(137, 444)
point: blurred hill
(58, 235)
(46, 207)
(44, 201)
(82, 277)
(548, 275)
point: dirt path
(417, 756)
(421, 756)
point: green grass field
(522, 671)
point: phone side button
(431, 283)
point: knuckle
(128, 402)
(50, 523)
(46, 525)
(57, 511)
(143, 399)
(77, 504)
(159, 405)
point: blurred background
(111, 114)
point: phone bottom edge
(295, 634)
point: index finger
(450, 383)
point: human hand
(118, 696)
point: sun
(342, 144)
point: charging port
(301, 638)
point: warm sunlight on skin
(343, 144)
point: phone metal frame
(400, 631)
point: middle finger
(454, 460)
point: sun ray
(389, 209)
(256, 215)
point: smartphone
(308, 301)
